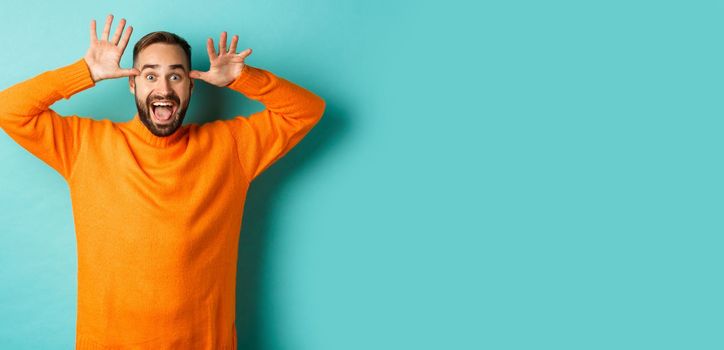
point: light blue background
(507, 175)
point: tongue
(163, 113)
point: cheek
(183, 94)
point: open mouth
(163, 111)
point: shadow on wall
(258, 229)
(210, 103)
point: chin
(162, 129)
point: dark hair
(162, 37)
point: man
(157, 205)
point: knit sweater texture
(157, 219)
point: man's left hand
(225, 66)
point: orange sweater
(157, 220)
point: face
(163, 89)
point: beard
(161, 130)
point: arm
(25, 112)
(26, 117)
(291, 111)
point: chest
(153, 181)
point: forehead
(161, 54)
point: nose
(164, 86)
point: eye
(178, 77)
(149, 75)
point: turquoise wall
(506, 175)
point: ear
(132, 84)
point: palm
(104, 56)
(225, 66)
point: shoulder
(217, 128)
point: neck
(140, 129)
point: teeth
(156, 104)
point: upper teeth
(156, 104)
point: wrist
(93, 75)
(73, 78)
(242, 73)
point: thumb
(245, 53)
(194, 74)
(124, 73)
(128, 72)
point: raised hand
(104, 56)
(225, 66)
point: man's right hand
(103, 57)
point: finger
(93, 33)
(234, 40)
(107, 28)
(194, 74)
(129, 72)
(245, 53)
(222, 43)
(125, 37)
(119, 31)
(124, 73)
(210, 49)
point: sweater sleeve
(264, 137)
(26, 117)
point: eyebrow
(173, 66)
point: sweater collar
(138, 128)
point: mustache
(170, 97)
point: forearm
(25, 100)
(279, 95)
(264, 137)
(26, 117)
